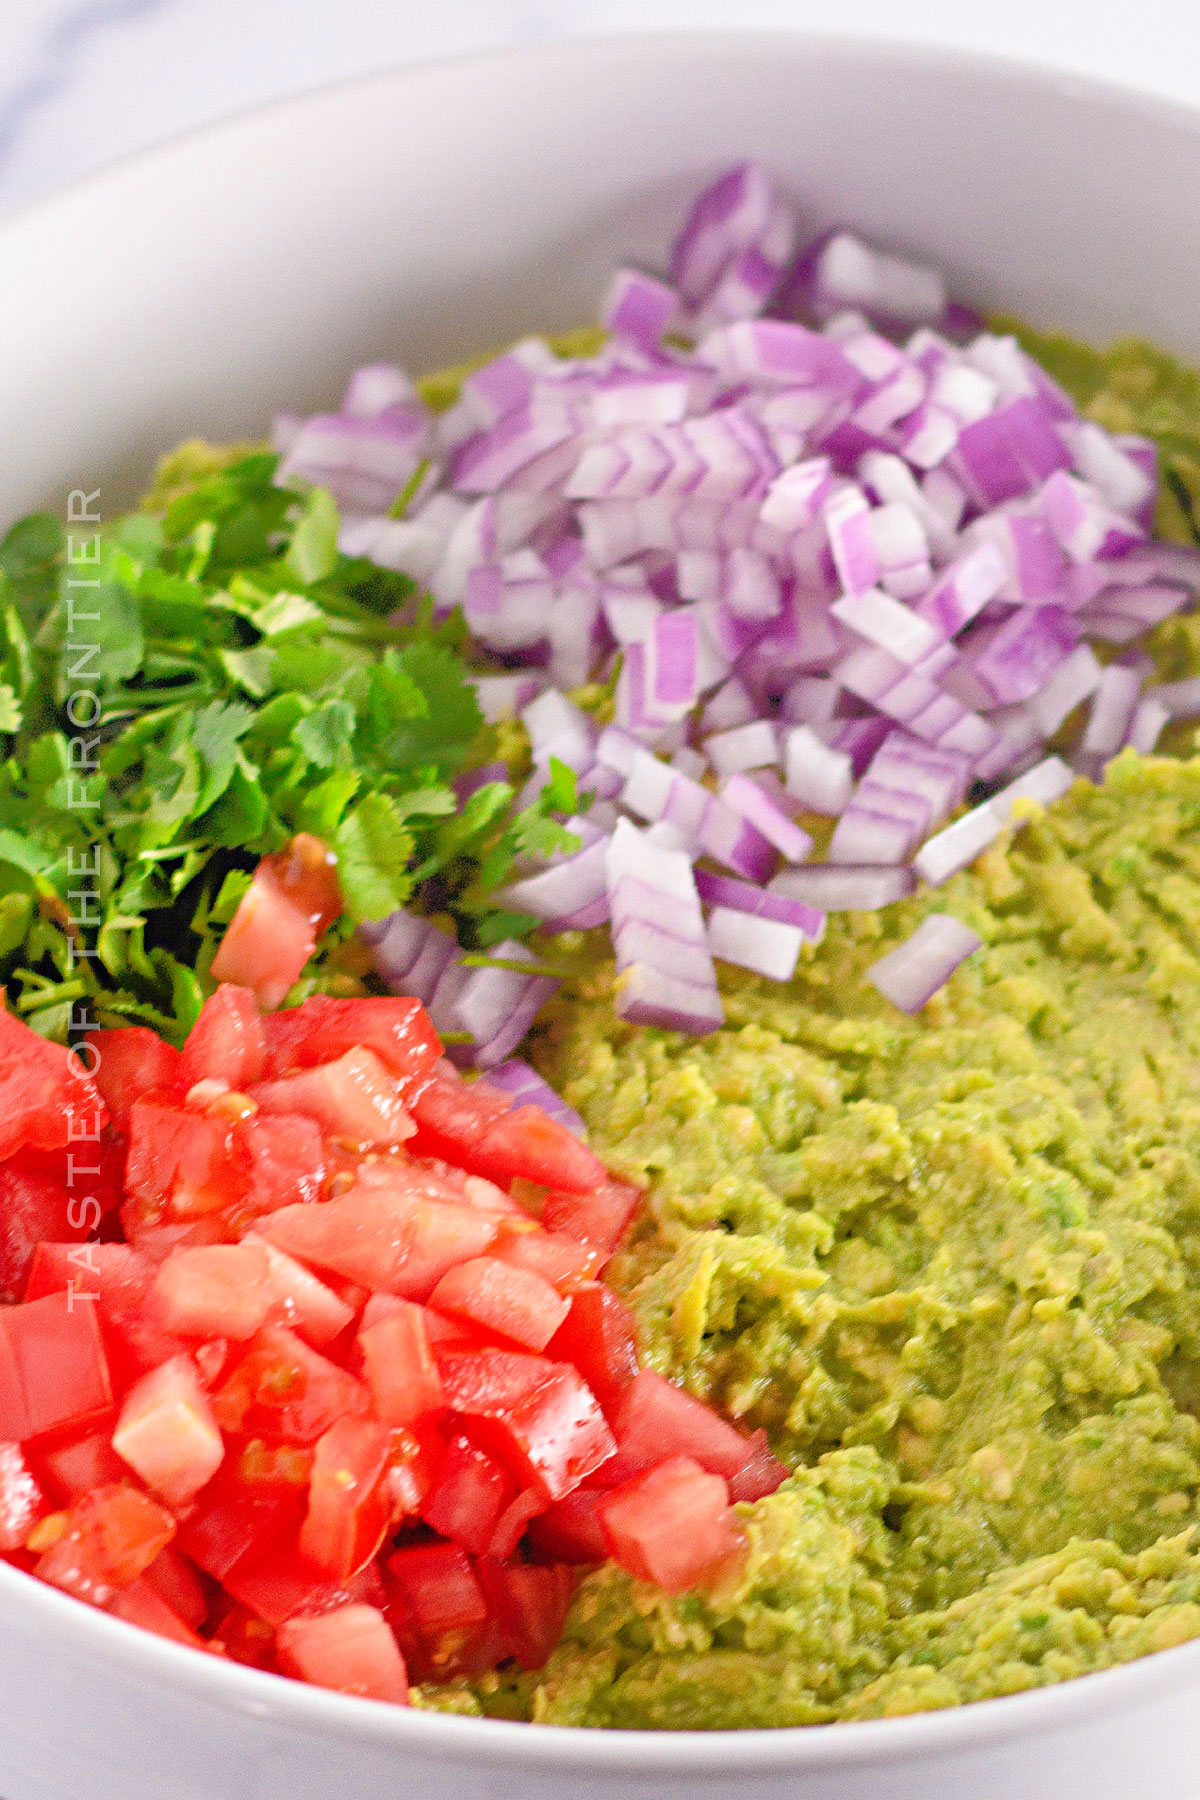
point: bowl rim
(585, 1749)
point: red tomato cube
(438, 1588)
(292, 899)
(414, 1458)
(278, 1583)
(46, 1097)
(227, 1042)
(36, 1204)
(513, 1303)
(399, 1031)
(672, 1526)
(655, 1420)
(53, 1367)
(600, 1218)
(130, 1061)
(284, 1391)
(217, 1290)
(186, 1160)
(351, 1651)
(399, 1366)
(349, 1505)
(143, 1605)
(174, 1578)
(84, 1463)
(544, 1425)
(478, 1129)
(113, 1535)
(468, 1497)
(562, 1261)
(356, 1098)
(761, 1473)
(288, 1163)
(597, 1335)
(234, 1522)
(167, 1433)
(569, 1531)
(299, 1301)
(529, 1604)
(382, 1237)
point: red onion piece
(767, 946)
(910, 975)
(843, 887)
(528, 1089)
(764, 903)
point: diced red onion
(1150, 718)
(527, 1088)
(912, 974)
(850, 273)
(753, 746)
(822, 778)
(748, 799)
(767, 946)
(1111, 711)
(639, 308)
(875, 616)
(764, 903)
(843, 887)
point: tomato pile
(313, 1366)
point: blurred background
(84, 81)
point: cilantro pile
(254, 683)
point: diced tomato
(21, 1501)
(299, 1301)
(382, 1237)
(142, 1604)
(227, 1042)
(293, 898)
(277, 1583)
(235, 1522)
(544, 1425)
(414, 1459)
(349, 1505)
(351, 1651)
(84, 1463)
(761, 1473)
(186, 1160)
(245, 1638)
(529, 1604)
(425, 1178)
(399, 1366)
(285, 1466)
(282, 1389)
(53, 1368)
(167, 1433)
(221, 1290)
(120, 1278)
(469, 1496)
(562, 1261)
(597, 1335)
(174, 1578)
(477, 1128)
(288, 1164)
(513, 1302)
(132, 1060)
(399, 1031)
(510, 1526)
(35, 1203)
(47, 1100)
(600, 1218)
(655, 1420)
(672, 1526)
(112, 1536)
(439, 1589)
(569, 1531)
(356, 1098)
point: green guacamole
(952, 1264)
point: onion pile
(852, 552)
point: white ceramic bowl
(423, 215)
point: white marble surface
(84, 81)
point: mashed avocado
(952, 1264)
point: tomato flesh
(46, 1098)
(672, 1526)
(291, 900)
(391, 1408)
(167, 1433)
(399, 1365)
(132, 1060)
(348, 1501)
(351, 1650)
